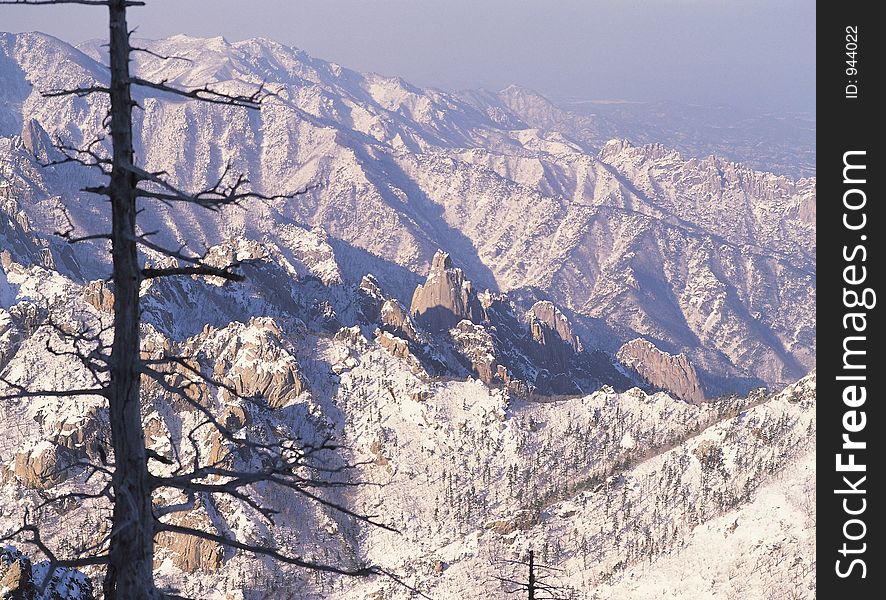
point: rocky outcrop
(395, 318)
(18, 243)
(551, 330)
(16, 575)
(255, 362)
(673, 373)
(99, 294)
(396, 346)
(81, 433)
(446, 298)
(483, 351)
(475, 343)
(37, 142)
(546, 320)
(404, 349)
(43, 466)
(191, 554)
(9, 336)
(521, 521)
(20, 579)
(370, 298)
(6, 291)
(806, 210)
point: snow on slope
(778, 143)
(704, 256)
(624, 491)
(613, 488)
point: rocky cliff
(446, 297)
(482, 422)
(662, 370)
(633, 237)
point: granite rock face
(546, 320)
(43, 466)
(21, 579)
(673, 373)
(446, 298)
(552, 331)
(255, 361)
(537, 352)
(16, 576)
(100, 295)
(188, 553)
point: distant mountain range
(698, 255)
(469, 296)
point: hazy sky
(748, 53)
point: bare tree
(118, 369)
(538, 583)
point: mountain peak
(441, 262)
(446, 297)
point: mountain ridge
(408, 171)
(506, 419)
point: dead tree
(538, 584)
(118, 368)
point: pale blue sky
(748, 53)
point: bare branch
(87, 2)
(151, 273)
(37, 541)
(80, 496)
(117, 369)
(213, 198)
(73, 154)
(206, 94)
(25, 393)
(79, 92)
(177, 254)
(68, 232)
(264, 550)
(160, 56)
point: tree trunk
(131, 553)
(531, 586)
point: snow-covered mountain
(625, 492)
(700, 256)
(467, 302)
(779, 143)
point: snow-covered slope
(489, 415)
(777, 143)
(616, 489)
(701, 256)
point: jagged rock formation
(99, 295)
(190, 554)
(429, 438)
(714, 259)
(552, 331)
(546, 320)
(37, 142)
(254, 361)
(539, 354)
(446, 297)
(16, 575)
(634, 239)
(20, 579)
(43, 466)
(673, 373)
(394, 315)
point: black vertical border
(849, 124)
